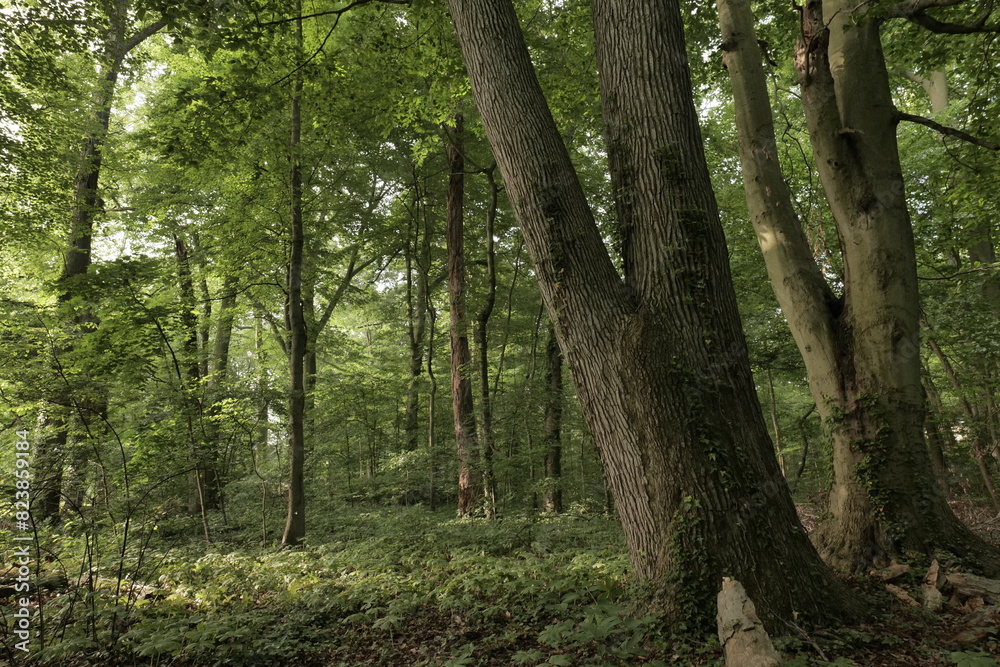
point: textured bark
(470, 482)
(295, 524)
(658, 360)
(862, 349)
(553, 425)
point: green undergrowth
(393, 587)
(400, 587)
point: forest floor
(404, 586)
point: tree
(295, 526)
(469, 474)
(861, 347)
(117, 39)
(657, 358)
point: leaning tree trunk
(861, 350)
(658, 360)
(469, 475)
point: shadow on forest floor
(404, 586)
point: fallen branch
(973, 586)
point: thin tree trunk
(224, 330)
(553, 425)
(201, 482)
(205, 320)
(431, 412)
(658, 360)
(978, 445)
(295, 525)
(416, 305)
(775, 424)
(117, 43)
(934, 427)
(469, 474)
(482, 332)
(263, 388)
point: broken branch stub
(741, 633)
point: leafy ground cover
(403, 586)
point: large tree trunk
(658, 360)
(861, 350)
(469, 474)
(295, 524)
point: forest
(499, 332)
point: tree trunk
(416, 305)
(482, 348)
(775, 424)
(934, 428)
(224, 330)
(553, 425)
(76, 261)
(201, 481)
(658, 360)
(862, 349)
(431, 412)
(205, 320)
(469, 474)
(263, 389)
(295, 525)
(979, 444)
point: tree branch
(353, 269)
(910, 7)
(947, 131)
(337, 12)
(930, 23)
(915, 11)
(144, 33)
